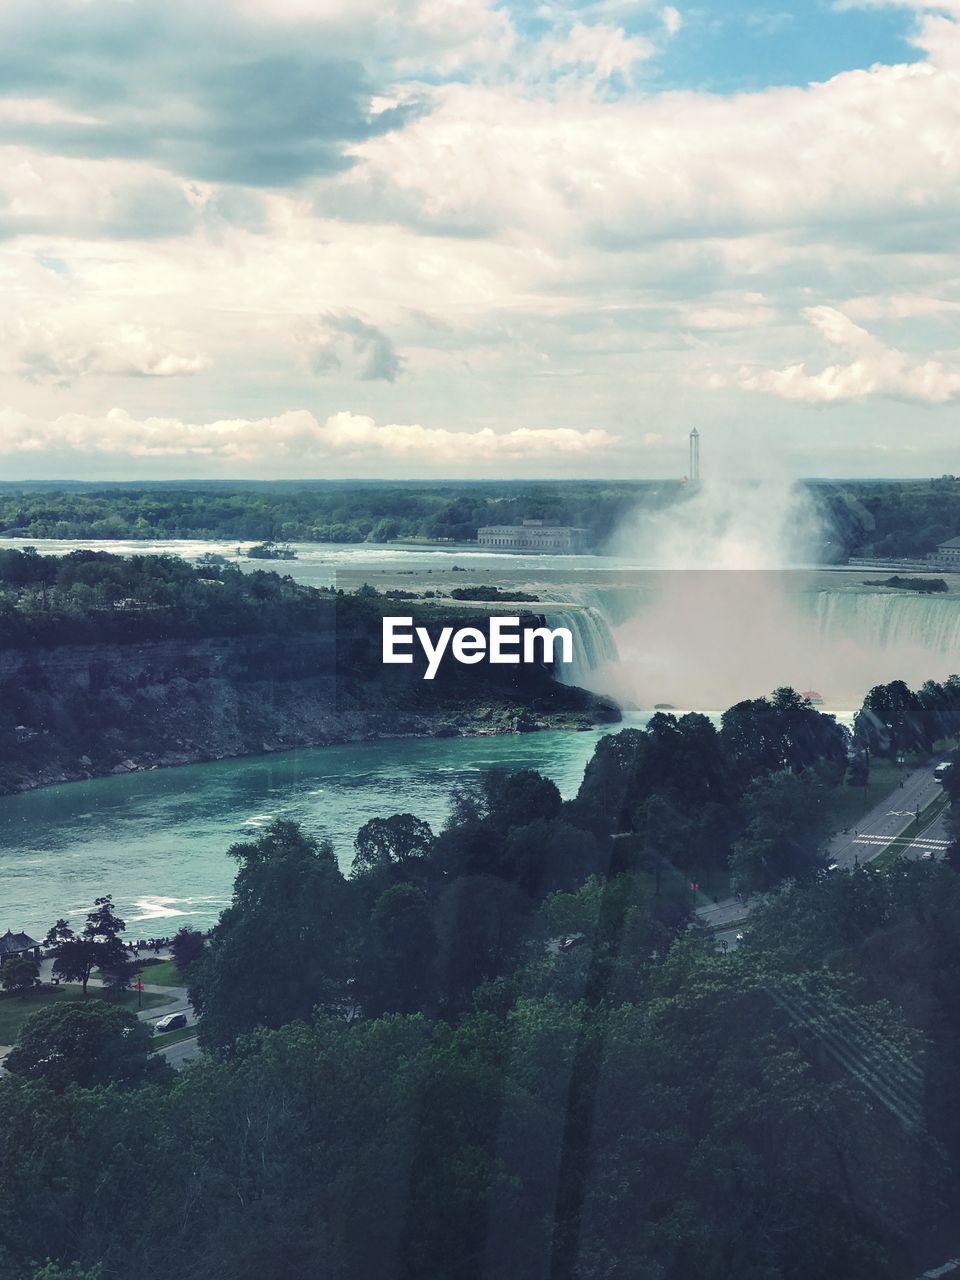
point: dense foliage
(319, 512)
(97, 596)
(501, 1049)
(887, 518)
(895, 719)
(863, 518)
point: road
(887, 819)
(182, 1052)
(876, 831)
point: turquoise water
(157, 840)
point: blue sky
(733, 47)
(455, 237)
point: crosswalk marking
(924, 842)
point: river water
(157, 840)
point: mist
(734, 606)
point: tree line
(864, 518)
(321, 513)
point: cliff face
(69, 712)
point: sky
(462, 238)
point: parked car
(171, 1022)
(573, 940)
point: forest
(506, 1049)
(864, 518)
(316, 512)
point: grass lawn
(849, 804)
(165, 974)
(174, 1037)
(14, 1011)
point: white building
(534, 535)
(946, 556)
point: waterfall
(593, 642)
(889, 621)
(708, 640)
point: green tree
(85, 1044)
(787, 823)
(70, 1271)
(99, 946)
(186, 948)
(482, 925)
(281, 946)
(549, 854)
(400, 843)
(20, 975)
(397, 971)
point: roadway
(881, 827)
(889, 818)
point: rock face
(98, 709)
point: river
(157, 840)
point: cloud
(876, 369)
(42, 351)
(597, 51)
(856, 155)
(672, 20)
(723, 318)
(295, 437)
(342, 336)
(191, 88)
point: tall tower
(694, 456)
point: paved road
(182, 1052)
(886, 820)
(874, 833)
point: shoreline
(174, 760)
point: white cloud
(721, 318)
(597, 51)
(44, 351)
(900, 306)
(672, 20)
(296, 437)
(876, 369)
(856, 152)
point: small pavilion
(15, 945)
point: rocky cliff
(73, 711)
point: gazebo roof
(12, 944)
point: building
(946, 556)
(15, 945)
(534, 535)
